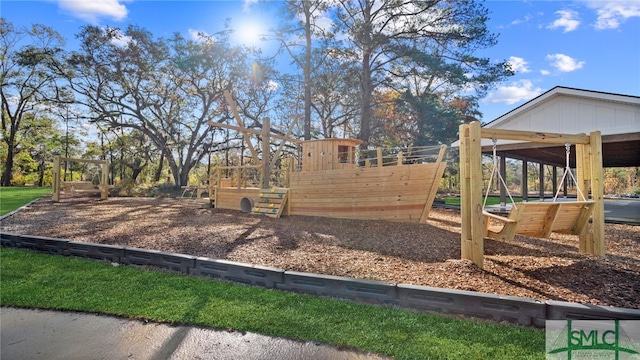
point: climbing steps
(271, 202)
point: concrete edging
(499, 308)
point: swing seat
(539, 219)
(80, 186)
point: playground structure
(328, 180)
(583, 217)
(80, 186)
(331, 184)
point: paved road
(623, 211)
(38, 334)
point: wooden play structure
(80, 186)
(327, 180)
(582, 217)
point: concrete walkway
(39, 334)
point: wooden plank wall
(229, 198)
(319, 155)
(395, 193)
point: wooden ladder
(271, 202)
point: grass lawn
(12, 198)
(35, 280)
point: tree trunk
(41, 174)
(366, 111)
(135, 172)
(158, 174)
(307, 76)
(8, 167)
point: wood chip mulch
(419, 254)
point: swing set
(537, 219)
(80, 186)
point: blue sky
(586, 44)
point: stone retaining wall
(499, 308)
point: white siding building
(573, 111)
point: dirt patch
(420, 254)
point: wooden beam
(88, 161)
(234, 110)
(437, 176)
(276, 155)
(531, 136)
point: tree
(425, 47)
(166, 89)
(335, 99)
(300, 31)
(26, 57)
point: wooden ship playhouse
(328, 180)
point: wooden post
(597, 193)
(541, 182)
(585, 241)
(554, 180)
(472, 241)
(465, 193)
(379, 155)
(266, 169)
(503, 173)
(56, 179)
(525, 180)
(400, 158)
(104, 186)
(218, 185)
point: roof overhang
(622, 150)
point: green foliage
(426, 48)
(29, 55)
(36, 280)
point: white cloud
(612, 13)
(92, 10)
(198, 35)
(518, 91)
(518, 64)
(568, 21)
(120, 39)
(525, 19)
(246, 6)
(545, 72)
(564, 62)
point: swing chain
(494, 172)
(567, 171)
